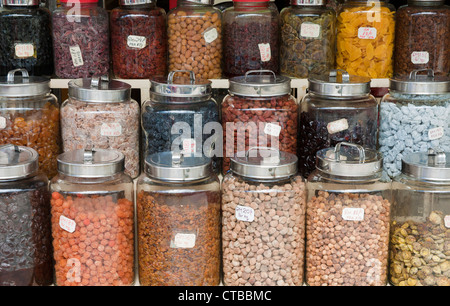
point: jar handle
(273, 160)
(337, 151)
(96, 81)
(436, 157)
(413, 74)
(345, 75)
(172, 73)
(88, 155)
(177, 158)
(260, 71)
(12, 73)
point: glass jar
(308, 38)
(138, 40)
(181, 116)
(178, 213)
(26, 38)
(420, 229)
(25, 226)
(93, 219)
(101, 114)
(259, 111)
(263, 231)
(347, 219)
(194, 30)
(251, 34)
(365, 38)
(422, 38)
(80, 39)
(414, 117)
(29, 116)
(337, 108)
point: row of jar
(258, 111)
(79, 40)
(263, 223)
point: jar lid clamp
(99, 89)
(339, 83)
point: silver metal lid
(433, 165)
(17, 162)
(21, 2)
(93, 163)
(264, 163)
(206, 2)
(426, 2)
(307, 2)
(99, 89)
(136, 2)
(23, 85)
(177, 167)
(260, 85)
(421, 84)
(349, 162)
(180, 86)
(339, 85)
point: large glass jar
(337, 108)
(26, 38)
(138, 40)
(414, 117)
(422, 37)
(365, 38)
(347, 219)
(263, 231)
(251, 36)
(29, 116)
(182, 116)
(93, 219)
(194, 30)
(308, 38)
(80, 39)
(101, 114)
(420, 229)
(25, 228)
(259, 111)
(178, 213)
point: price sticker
(244, 213)
(420, 57)
(24, 50)
(265, 52)
(112, 129)
(310, 30)
(272, 129)
(436, 133)
(367, 33)
(189, 146)
(2, 123)
(337, 126)
(447, 221)
(136, 42)
(353, 214)
(184, 241)
(67, 224)
(77, 57)
(210, 35)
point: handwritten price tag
(24, 50)
(136, 42)
(189, 146)
(2, 123)
(210, 35)
(184, 241)
(353, 214)
(436, 133)
(113, 129)
(272, 129)
(244, 213)
(337, 126)
(418, 58)
(67, 224)
(367, 33)
(310, 30)
(447, 221)
(264, 50)
(77, 58)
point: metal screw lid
(307, 2)
(17, 162)
(23, 85)
(99, 89)
(206, 2)
(91, 163)
(177, 167)
(336, 161)
(433, 165)
(421, 84)
(136, 2)
(264, 163)
(335, 85)
(180, 86)
(21, 2)
(260, 85)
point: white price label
(447, 221)
(310, 30)
(136, 42)
(244, 213)
(367, 33)
(77, 57)
(112, 129)
(353, 214)
(337, 126)
(2, 123)
(22, 50)
(264, 50)
(436, 133)
(210, 35)
(67, 224)
(189, 146)
(418, 58)
(184, 241)
(272, 129)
